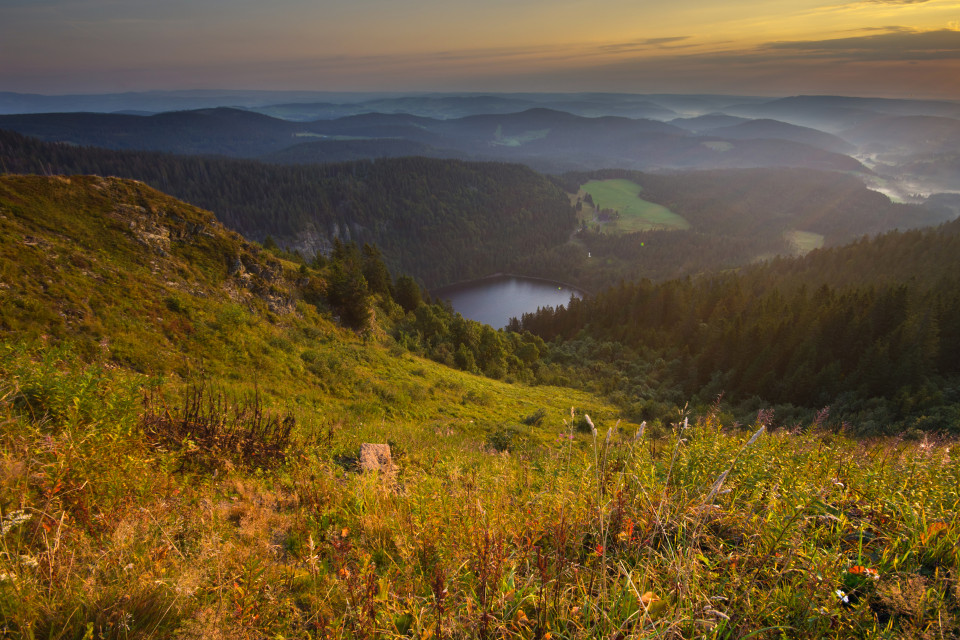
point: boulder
(376, 457)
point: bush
(535, 418)
(209, 429)
(503, 438)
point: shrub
(209, 429)
(535, 418)
(503, 438)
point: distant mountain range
(907, 147)
(545, 139)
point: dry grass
(710, 532)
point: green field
(636, 213)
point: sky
(893, 48)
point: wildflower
(593, 429)
(599, 549)
(764, 417)
(866, 572)
(14, 519)
(844, 599)
(29, 561)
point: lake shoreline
(461, 283)
(497, 298)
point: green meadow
(636, 214)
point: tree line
(440, 220)
(870, 328)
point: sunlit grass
(708, 530)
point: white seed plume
(643, 427)
(754, 437)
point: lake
(496, 299)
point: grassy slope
(130, 276)
(109, 532)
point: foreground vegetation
(549, 530)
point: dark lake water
(496, 299)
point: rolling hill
(545, 139)
(775, 130)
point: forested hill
(871, 327)
(440, 220)
(764, 203)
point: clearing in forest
(635, 213)
(804, 241)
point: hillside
(183, 417)
(222, 131)
(906, 135)
(439, 220)
(868, 329)
(322, 151)
(736, 216)
(508, 219)
(775, 130)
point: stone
(376, 457)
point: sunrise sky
(768, 47)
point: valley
(742, 424)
